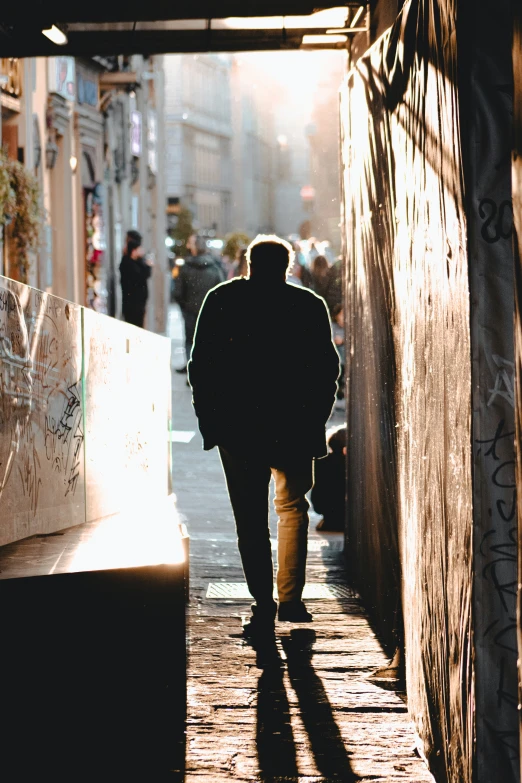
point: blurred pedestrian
(240, 267)
(299, 256)
(329, 490)
(313, 252)
(334, 292)
(319, 276)
(299, 274)
(135, 270)
(264, 399)
(196, 277)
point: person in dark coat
(328, 492)
(135, 271)
(263, 399)
(197, 276)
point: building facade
(70, 122)
(198, 138)
(253, 147)
(324, 141)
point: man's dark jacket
(196, 277)
(134, 274)
(264, 369)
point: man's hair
(337, 438)
(269, 255)
(134, 240)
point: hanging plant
(20, 210)
(7, 194)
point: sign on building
(87, 86)
(152, 135)
(136, 133)
(62, 77)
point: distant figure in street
(264, 399)
(334, 293)
(298, 274)
(319, 274)
(240, 266)
(313, 251)
(197, 276)
(135, 271)
(328, 493)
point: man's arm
(204, 367)
(324, 362)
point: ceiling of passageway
(108, 27)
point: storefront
(89, 166)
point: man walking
(264, 397)
(197, 276)
(135, 271)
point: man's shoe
(293, 612)
(259, 628)
(261, 623)
(182, 370)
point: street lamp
(51, 154)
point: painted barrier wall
(431, 515)
(486, 106)
(84, 413)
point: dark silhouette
(315, 709)
(276, 751)
(264, 398)
(135, 271)
(328, 493)
(337, 315)
(197, 276)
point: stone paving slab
(321, 719)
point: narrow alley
(323, 718)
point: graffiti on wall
(41, 411)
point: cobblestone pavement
(321, 719)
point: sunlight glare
(329, 17)
(138, 536)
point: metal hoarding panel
(410, 472)
(42, 413)
(128, 389)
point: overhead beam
(65, 11)
(106, 43)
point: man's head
(196, 245)
(134, 240)
(269, 257)
(337, 439)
